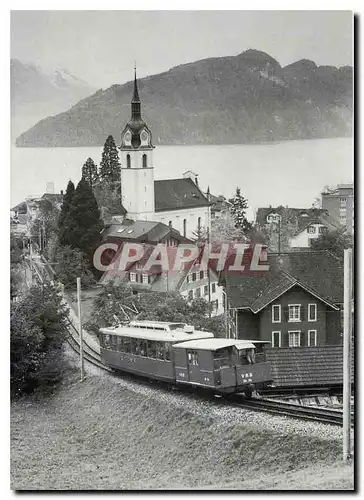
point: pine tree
(238, 210)
(110, 166)
(66, 202)
(89, 172)
(82, 225)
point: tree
(334, 241)
(66, 203)
(223, 228)
(108, 199)
(37, 326)
(238, 210)
(82, 224)
(110, 166)
(115, 303)
(71, 263)
(89, 172)
(46, 223)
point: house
(297, 303)
(339, 203)
(191, 282)
(294, 228)
(178, 203)
(219, 204)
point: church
(177, 203)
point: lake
(289, 173)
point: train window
(151, 349)
(143, 348)
(221, 358)
(113, 342)
(167, 352)
(192, 358)
(159, 350)
(127, 344)
(107, 341)
(250, 356)
(132, 345)
(119, 344)
(137, 346)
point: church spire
(135, 102)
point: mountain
(37, 93)
(238, 99)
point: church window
(184, 227)
(128, 161)
(199, 223)
(144, 161)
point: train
(178, 354)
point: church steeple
(135, 102)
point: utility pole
(279, 235)
(208, 272)
(347, 353)
(80, 325)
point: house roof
(319, 273)
(146, 231)
(174, 194)
(306, 366)
(297, 214)
(53, 197)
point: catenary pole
(80, 325)
(208, 272)
(346, 361)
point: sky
(101, 46)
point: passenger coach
(177, 353)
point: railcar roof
(155, 323)
(213, 344)
(160, 335)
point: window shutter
(303, 341)
(285, 341)
(303, 318)
(285, 313)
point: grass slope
(98, 435)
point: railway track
(322, 415)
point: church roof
(175, 194)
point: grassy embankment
(99, 435)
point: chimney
(191, 175)
(50, 188)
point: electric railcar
(179, 354)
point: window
(170, 224)
(113, 342)
(312, 312)
(192, 357)
(145, 278)
(144, 161)
(276, 314)
(160, 350)
(188, 278)
(127, 344)
(184, 227)
(120, 344)
(167, 352)
(206, 274)
(133, 277)
(312, 338)
(143, 347)
(199, 223)
(193, 276)
(322, 229)
(343, 202)
(294, 338)
(151, 349)
(190, 295)
(198, 293)
(294, 312)
(216, 304)
(342, 219)
(311, 230)
(276, 339)
(128, 161)
(213, 287)
(201, 275)
(206, 290)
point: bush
(37, 333)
